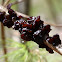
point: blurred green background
(49, 11)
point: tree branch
(18, 13)
(2, 8)
(52, 47)
(3, 37)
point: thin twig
(3, 2)
(6, 3)
(52, 47)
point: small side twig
(6, 3)
(3, 2)
(52, 47)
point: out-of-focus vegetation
(28, 52)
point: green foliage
(23, 52)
